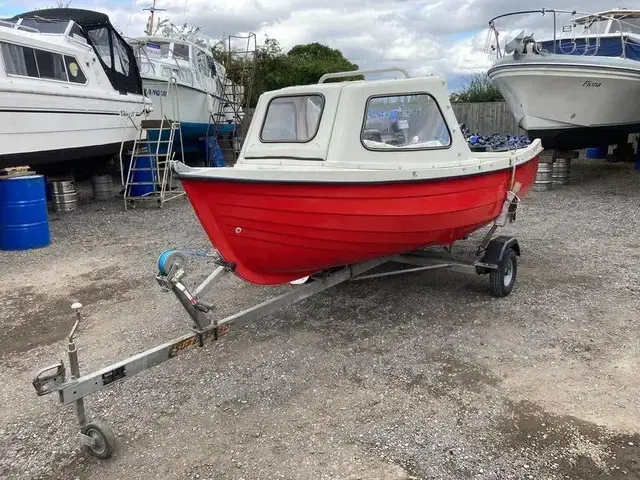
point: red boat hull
(278, 232)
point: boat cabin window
(293, 119)
(590, 25)
(19, 60)
(77, 32)
(100, 39)
(120, 56)
(181, 51)
(111, 50)
(74, 72)
(51, 65)
(157, 49)
(629, 25)
(180, 73)
(30, 62)
(45, 25)
(404, 122)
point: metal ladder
(158, 154)
(235, 90)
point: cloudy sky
(446, 37)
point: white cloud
(443, 36)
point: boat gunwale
(194, 176)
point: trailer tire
(502, 279)
(105, 440)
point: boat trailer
(496, 257)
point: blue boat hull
(192, 133)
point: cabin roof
(330, 86)
(84, 18)
(619, 13)
(160, 38)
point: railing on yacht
(586, 35)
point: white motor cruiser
(579, 88)
(202, 89)
(69, 88)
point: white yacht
(579, 88)
(69, 87)
(200, 81)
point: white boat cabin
(382, 123)
(363, 131)
(67, 48)
(161, 58)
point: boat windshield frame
(305, 95)
(575, 21)
(392, 148)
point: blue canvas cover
(609, 47)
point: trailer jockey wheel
(104, 441)
(502, 279)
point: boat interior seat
(372, 135)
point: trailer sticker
(178, 347)
(113, 375)
(224, 329)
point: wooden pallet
(9, 172)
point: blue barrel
(598, 152)
(24, 222)
(143, 176)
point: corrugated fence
(486, 118)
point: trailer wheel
(103, 437)
(502, 279)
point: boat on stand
(201, 105)
(580, 86)
(70, 89)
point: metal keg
(544, 178)
(102, 187)
(561, 171)
(64, 197)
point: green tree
(274, 69)
(308, 62)
(478, 89)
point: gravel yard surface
(422, 376)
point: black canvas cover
(115, 55)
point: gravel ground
(418, 376)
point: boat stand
(499, 260)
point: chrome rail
(355, 73)
(555, 12)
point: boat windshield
(45, 25)
(292, 119)
(411, 121)
(157, 49)
(629, 25)
(160, 49)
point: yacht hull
(39, 127)
(571, 102)
(195, 107)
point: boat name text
(155, 92)
(589, 83)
